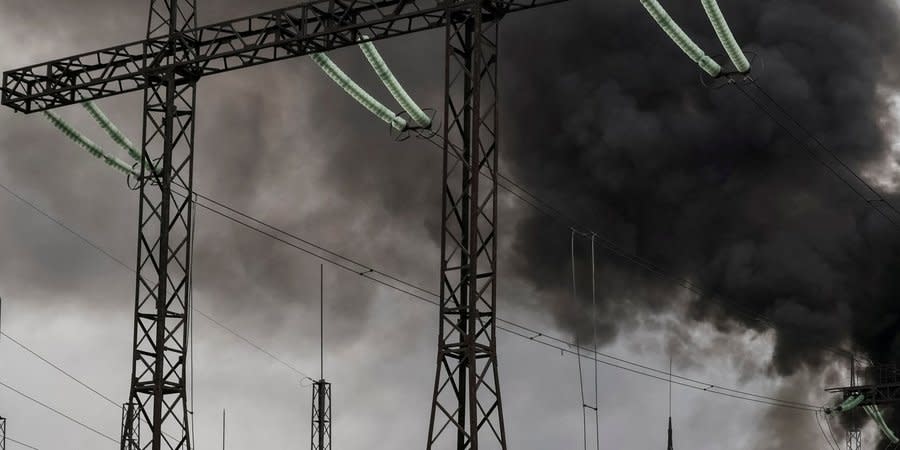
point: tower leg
(466, 409)
(158, 388)
(854, 439)
(131, 427)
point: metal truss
(131, 427)
(158, 388)
(321, 416)
(466, 411)
(2, 433)
(854, 440)
(881, 387)
(310, 27)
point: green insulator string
(111, 129)
(393, 86)
(117, 136)
(875, 414)
(725, 36)
(88, 145)
(359, 94)
(681, 38)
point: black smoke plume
(605, 116)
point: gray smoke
(608, 119)
(602, 115)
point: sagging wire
(578, 346)
(594, 332)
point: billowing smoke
(606, 117)
(602, 115)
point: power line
(578, 347)
(21, 443)
(822, 429)
(127, 267)
(544, 207)
(407, 288)
(58, 369)
(59, 413)
(872, 202)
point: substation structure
(879, 385)
(167, 65)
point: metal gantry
(167, 66)
(880, 386)
(321, 416)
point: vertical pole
(854, 434)
(671, 445)
(321, 415)
(223, 429)
(466, 401)
(321, 321)
(321, 399)
(158, 388)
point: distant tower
(321, 398)
(2, 433)
(670, 447)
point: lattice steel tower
(158, 385)
(467, 386)
(2, 433)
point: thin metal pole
(322, 321)
(223, 429)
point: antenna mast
(321, 398)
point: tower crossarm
(875, 394)
(310, 27)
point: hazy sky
(284, 144)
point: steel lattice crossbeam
(875, 394)
(310, 27)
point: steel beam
(466, 410)
(310, 27)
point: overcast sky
(283, 143)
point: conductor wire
(578, 346)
